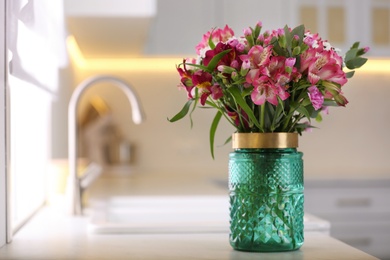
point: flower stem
(262, 117)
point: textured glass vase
(266, 199)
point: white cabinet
(358, 210)
(179, 25)
(343, 22)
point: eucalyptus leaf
(319, 118)
(351, 54)
(350, 74)
(300, 31)
(355, 63)
(289, 38)
(355, 45)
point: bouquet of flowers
(276, 81)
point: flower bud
(235, 76)
(247, 32)
(282, 41)
(225, 69)
(296, 51)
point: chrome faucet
(76, 185)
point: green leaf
(194, 106)
(228, 140)
(195, 65)
(350, 74)
(351, 54)
(355, 45)
(211, 43)
(246, 91)
(276, 47)
(256, 32)
(214, 61)
(288, 36)
(304, 111)
(319, 118)
(306, 101)
(183, 112)
(278, 114)
(213, 129)
(330, 103)
(235, 92)
(355, 63)
(300, 31)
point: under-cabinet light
(373, 65)
(133, 64)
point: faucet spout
(138, 116)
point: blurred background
(50, 53)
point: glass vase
(266, 196)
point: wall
(350, 141)
(160, 145)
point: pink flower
(257, 56)
(217, 35)
(332, 73)
(316, 98)
(264, 91)
(225, 34)
(216, 92)
(320, 64)
(240, 118)
(247, 31)
(290, 62)
(202, 80)
(230, 59)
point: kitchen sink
(161, 214)
(170, 214)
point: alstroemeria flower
(230, 59)
(216, 92)
(315, 96)
(289, 63)
(240, 119)
(284, 67)
(186, 79)
(340, 99)
(217, 35)
(202, 79)
(257, 56)
(264, 91)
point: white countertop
(52, 234)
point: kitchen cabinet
(358, 210)
(343, 22)
(179, 25)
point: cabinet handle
(354, 202)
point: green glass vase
(266, 195)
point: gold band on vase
(264, 140)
